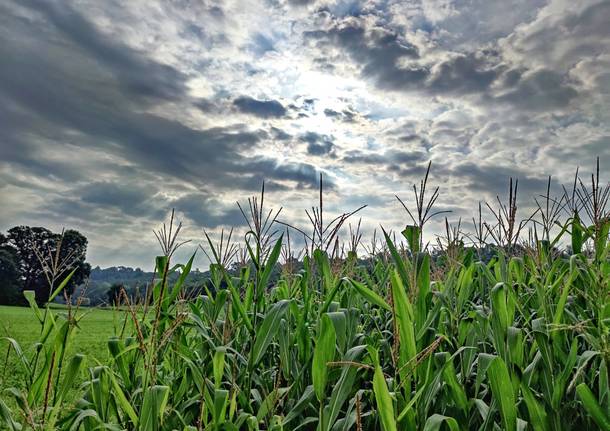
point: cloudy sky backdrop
(113, 112)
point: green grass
(89, 339)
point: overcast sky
(113, 112)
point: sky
(112, 113)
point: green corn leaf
(423, 290)
(578, 234)
(218, 365)
(70, 375)
(30, 297)
(122, 400)
(457, 390)
(186, 269)
(117, 349)
(342, 390)
(412, 234)
(241, 308)
(267, 330)
(330, 296)
(323, 353)
(436, 421)
(153, 407)
(592, 407)
(221, 398)
(602, 240)
(537, 414)
(369, 295)
(402, 314)
(269, 404)
(323, 264)
(300, 405)
(82, 415)
(62, 285)
(502, 390)
(561, 380)
(161, 263)
(385, 407)
(409, 406)
(271, 261)
(398, 261)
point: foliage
(135, 281)
(521, 341)
(10, 289)
(114, 294)
(45, 257)
(90, 338)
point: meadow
(498, 330)
(90, 338)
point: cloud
(539, 90)
(494, 180)
(347, 115)
(378, 51)
(486, 71)
(110, 116)
(317, 144)
(389, 158)
(207, 212)
(260, 108)
(135, 73)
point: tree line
(37, 259)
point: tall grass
(511, 335)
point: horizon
(110, 116)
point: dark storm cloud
(388, 158)
(318, 144)
(304, 174)
(113, 194)
(207, 212)
(301, 2)
(135, 73)
(260, 108)
(279, 134)
(388, 60)
(377, 50)
(347, 115)
(539, 91)
(495, 179)
(393, 63)
(332, 113)
(470, 73)
(100, 200)
(109, 114)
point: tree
(114, 294)
(75, 243)
(10, 276)
(46, 258)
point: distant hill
(134, 280)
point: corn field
(404, 338)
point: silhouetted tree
(76, 243)
(114, 294)
(33, 244)
(10, 276)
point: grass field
(90, 339)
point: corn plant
(514, 341)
